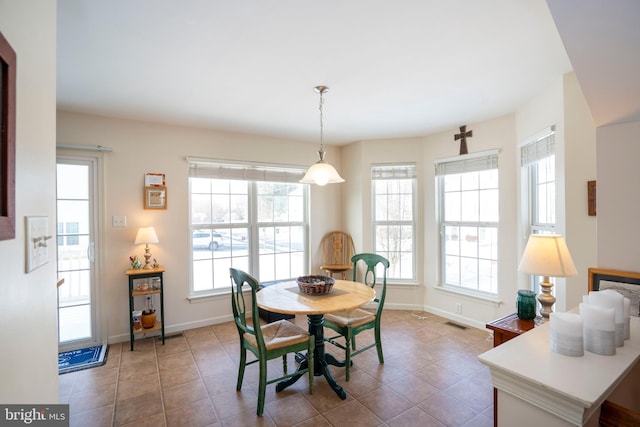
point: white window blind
(395, 171)
(467, 163)
(542, 148)
(203, 168)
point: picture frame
(155, 197)
(7, 140)
(591, 198)
(154, 179)
(625, 282)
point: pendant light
(321, 172)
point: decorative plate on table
(315, 285)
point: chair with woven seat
(267, 342)
(337, 250)
(348, 324)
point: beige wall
(562, 104)
(580, 167)
(151, 147)
(618, 205)
(28, 317)
(499, 133)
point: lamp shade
(547, 255)
(321, 173)
(146, 235)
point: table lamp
(547, 256)
(146, 235)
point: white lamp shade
(321, 173)
(547, 255)
(146, 235)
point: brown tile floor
(431, 377)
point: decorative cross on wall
(462, 136)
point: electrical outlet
(458, 308)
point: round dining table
(286, 298)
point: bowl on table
(315, 285)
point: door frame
(96, 233)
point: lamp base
(545, 298)
(147, 257)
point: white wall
(618, 205)
(28, 302)
(151, 147)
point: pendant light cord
(321, 121)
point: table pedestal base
(321, 359)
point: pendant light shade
(321, 173)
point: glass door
(75, 234)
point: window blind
(468, 163)
(538, 150)
(203, 168)
(396, 171)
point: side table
(504, 329)
(133, 292)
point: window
(247, 216)
(539, 159)
(70, 236)
(468, 218)
(394, 192)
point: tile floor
(431, 377)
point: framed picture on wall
(155, 197)
(7, 140)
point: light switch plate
(37, 242)
(119, 221)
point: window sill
(195, 299)
(477, 296)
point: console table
(505, 329)
(538, 387)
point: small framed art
(155, 197)
(7, 140)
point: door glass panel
(76, 320)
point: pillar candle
(610, 298)
(566, 334)
(599, 328)
(627, 318)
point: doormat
(84, 358)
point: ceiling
(395, 69)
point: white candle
(611, 299)
(566, 334)
(599, 328)
(627, 318)
(566, 323)
(598, 318)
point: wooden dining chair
(348, 324)
(266, 342)
(337, 250)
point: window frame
(251, 173)
(540, 147)
(392, 172)
(475, 162)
